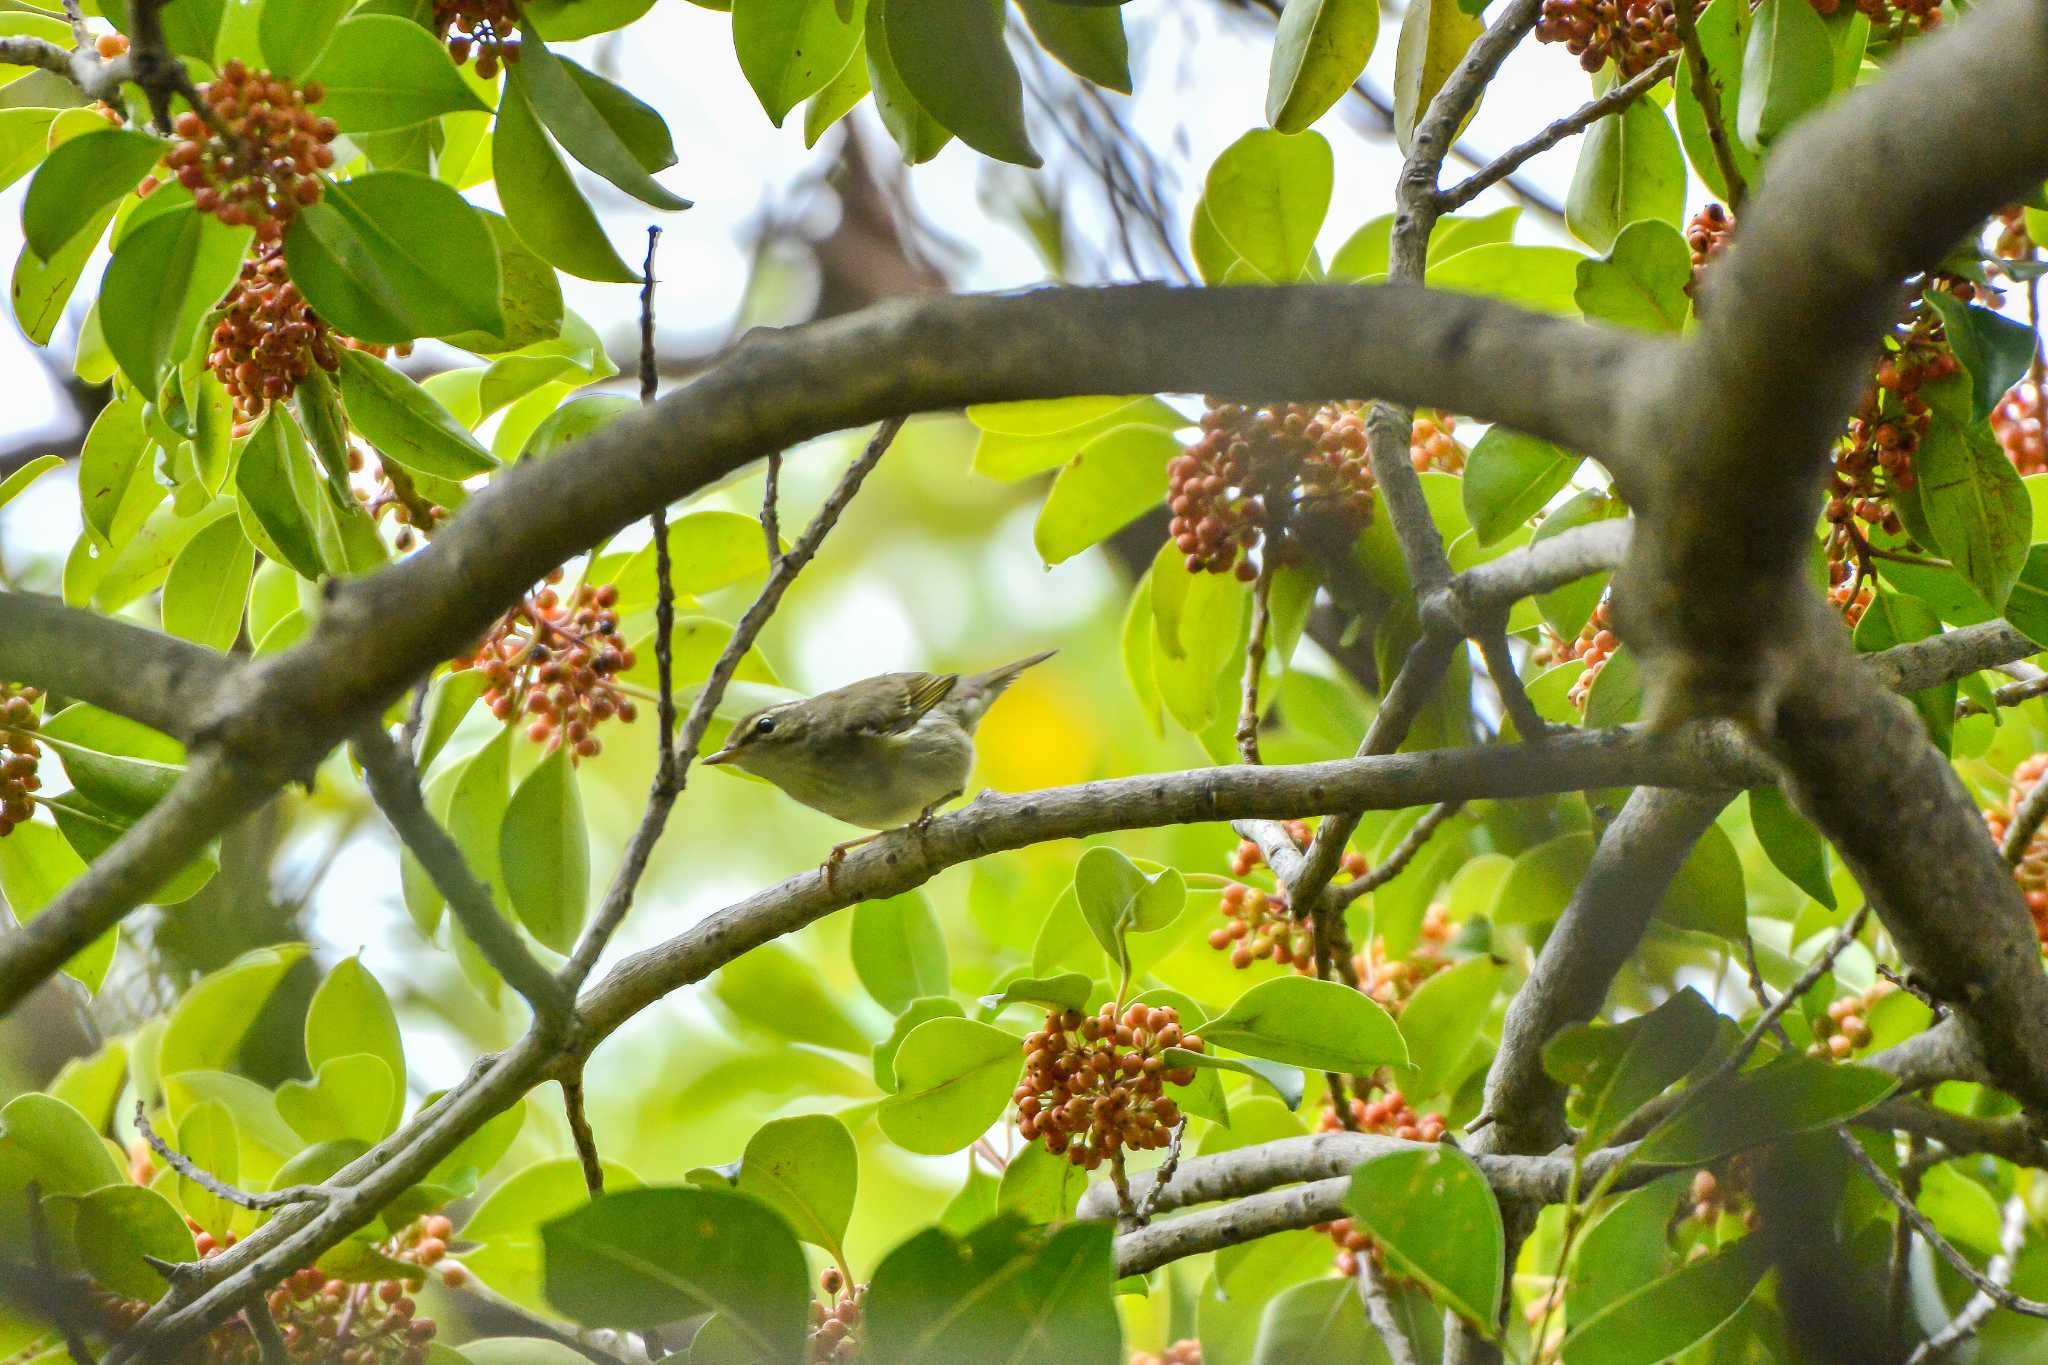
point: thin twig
(771, 512)
(1913, 988)
(666, 774)
(1163, 1177)
(415, 719)
(2026, 823)
(1965, 1323)
(1997, 1292)
(633, 863)
(81, 32)
(2008, 694)
(39, 1254)
(1756, 981)
(1403, 854)
(262, 1326)
(1512, 160)
(1899, 1284)
(1379, 1307)
(395, 786)
(579, 1129)
(270, 1199)
(1255, 660)
(1127, 1211)
(1507, 682)
(1708, 92)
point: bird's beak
(725, 755)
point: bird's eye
(765, 726)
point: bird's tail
(977, 691)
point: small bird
(880, 753)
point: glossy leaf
(393, 256)
(1707, 893)
(36, 865)
(1788, 67)
(1067, 991)
(541, 199)
(529, 296)
(1616, 1068)
(1545, 278)
(1661, 1319)
(1442, 1022)
(1434, 1216)
(1315, 1320)
(1723, 29)
(1567, 609)
(1320, 47)
(1086, 39)
(1975, 505)
(208, 584)
(952, 60)
(1116, 478)
(1630, 169)
(206, 1028)
(808, 1170)
(120, 1224)
(918, 135)
(383, 72)
(603, 131)
(917, 1012)
(1266, 197)
(844, 91)
(1787, 1096)
(1040, 1187)
(1012, 1293)
(81, 177)
(404, 422)
(1794, 847)
(348, 1098)
(1996, 350)
(953, 1078)
(544, 849)
(1116, 898)
(1021, 439)
(273, 480)
(899, 952)
(574, 420)
(1642, 282)
(163, 279)
(639, 1258)
(1509, 478)
(350, 1014)
(505, 1229)
(294, 35)
(477, 800)
(1301, 1021)
(208, 1139)
(1434, 37)
(789, 49)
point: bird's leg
(838, 856)
(924, 819)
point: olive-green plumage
(878, 753)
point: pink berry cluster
(1391, 981)
(2032, 870)
(2021, 423)
(1253, 468)
(1094, 1085)
(558, 660)
(1431, 445)
(835, 1323)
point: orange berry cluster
(2021, 423)
(486, 27)
(2014, 242)
(1095, 1084)
(1390, 981)
(833, 1326)
(1595, 645)
(1431, 445)
(268, 341)
(1253, 468)
(1707, 234)
(558, 661)
(1257, 925)
(349, 1324)
(19, 754)
(1875, 454)
(1904, 16)
(1390, 1114)
(1846, 1025)
(384, 488)
(2032, 871)
(1852, 600)
(269, 168)
(1186, 1351)
(1635, 34)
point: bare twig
(81, 32)
(269, 1199)
(1163, 1177)
(1514, 698)
(2026, 823)
(395, 787)
(1913, 988)
(415, 718)
(1403, 854)
(579, 1130)
(1996, 1291)
(2008, 694)
(619, 898)
(1379, 1307)
(2012, 1231)
(1507, 163)
(771, 511)
(262, 1326)
(1708, 91)
(1254, 662)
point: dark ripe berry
(547, 656)
(1253, 468)
(1634, 34)
(487, 28)
(261, 172)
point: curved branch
(160, 680)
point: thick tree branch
(160, 680)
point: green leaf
(520, 1351)
(1995, 350)
(789, 49)
(1975, 504)
(207, 1138)
(1284, 1081)
(1320, 1025)
(1707, 892)
(839, 96)
(1434, 1216)
(1788, 70)
(208, 584)
(1315, 1320)
(899, 952)
(350, 1014)
(1320, 47)
(574, 420)
(405, 423)
(347, 1099)
(635, 122)
(1041, 1187)
(529, 296)
(1541, 882)
(24, 141)
(605, 133)
(120, 1224)
(1545, 278)
(1630, 169)
(1619, 1067)
(115, 490)
(476, 810)
(918, 135)
(1086, 39)
(1567, 609)
(1018, 440)
(273, 481)
(777, 990)
(639, 1258)
(40, 288)
(1116, 898)
(806, 1169)
(165, 276)
(47, 1142)
(1661, 1319)
(544, 848)
(1786, 1096)
(2027, 607)
(1013, 1293)
(384, 72)
(952, 60)
(953, 1078)
(1197, 625)
(293, 35)
(919, 1010)
(540, 197)
(393, 256)
(1442, 1022)
(1266, 197)
(1642, 281)
(36, 865)
(1626, 1249)
(569, 20)
(1794, 847)
(1434, 37)
(1723, 28)
(506, 1227)
(1116, 478)
(80, 178)
(1067, 991)
(1509, 478)
(708, 550)
(206, 1028)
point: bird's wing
(892, 709)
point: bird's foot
(830, 866)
